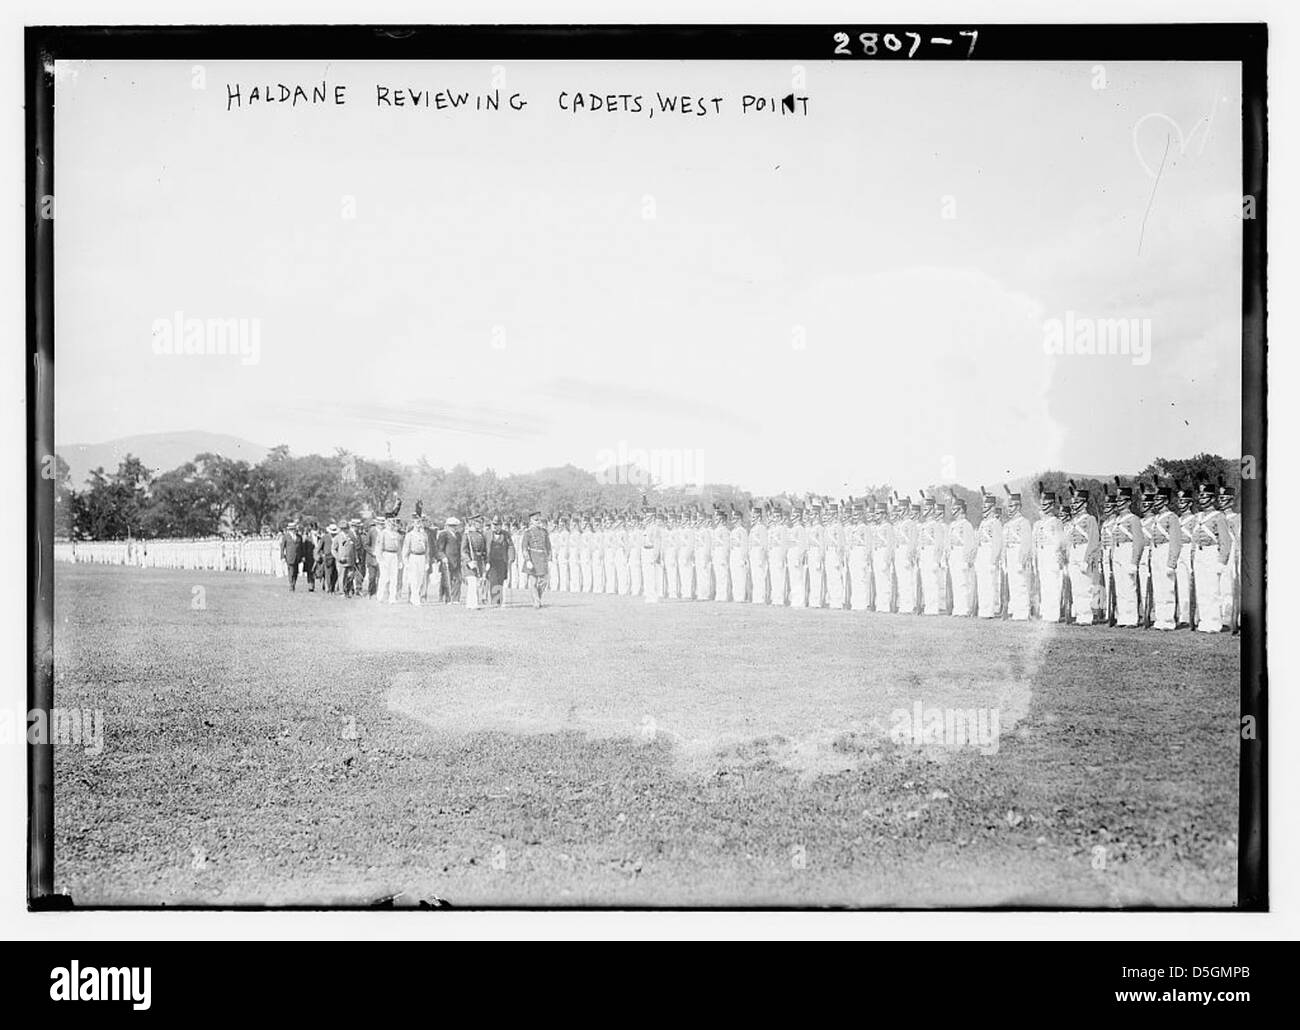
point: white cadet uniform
(758, 545)
(932, 541)
(816, 563)
(1126, 555)
(836, 546)
(1017, 548)
(1212, 548)
(883, 544)
(796, 552)
(988, 565)
(1083, 542)
(651, 570)
(415, 551)
(1164, 541)
(684, 538)
(703, 537)
(859, 564)
(963, 547)
(738, 561)
(635, 540)
(1051, 558)
(721, 540)
(778, 534)
(905, 552)
(668, 551)
(1183, 574)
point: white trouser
(906, 574)
(388, 563)
(794, 568)
(471, 589)
(1228, 591)
(721, 577)
(934, 578)
(1083, 586)
(650, 576)
(685, 574)
(621, 573)
(758, 575)
(776, 576)
(1163, 580)
(672, 588)
(1183, 585)
(739, 575)
(597, 573)
(963, 583)
(416, 567)
(634, 573)
(988, 583)
(1126, 586)
(859, 578)
(834, 579)
(575, 573)
(1208, 572)
(1017, 589)
(816, 578)
(562, 571)
(553, 572)
(584, 570)
(1049, 584)
(882, 570)
(703, 575)
(611, 573)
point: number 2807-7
(873, 43)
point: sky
(856, 295)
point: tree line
(214, 495)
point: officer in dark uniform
(500, 556)
(537, 557)
(473, 561)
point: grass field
(278, 748)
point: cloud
(414, 416)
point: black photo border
(1245, 43)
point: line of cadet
(1176, 564)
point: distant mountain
(159, 451)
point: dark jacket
(291, 548)
(448, 548)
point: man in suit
(325, 555)
(291, 552)
(307, 548)
(448, 553)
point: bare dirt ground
(293, 749)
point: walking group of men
(385, 558)
(1177, 563)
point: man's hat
(332, 527)
(452, 520)
(958, 504)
